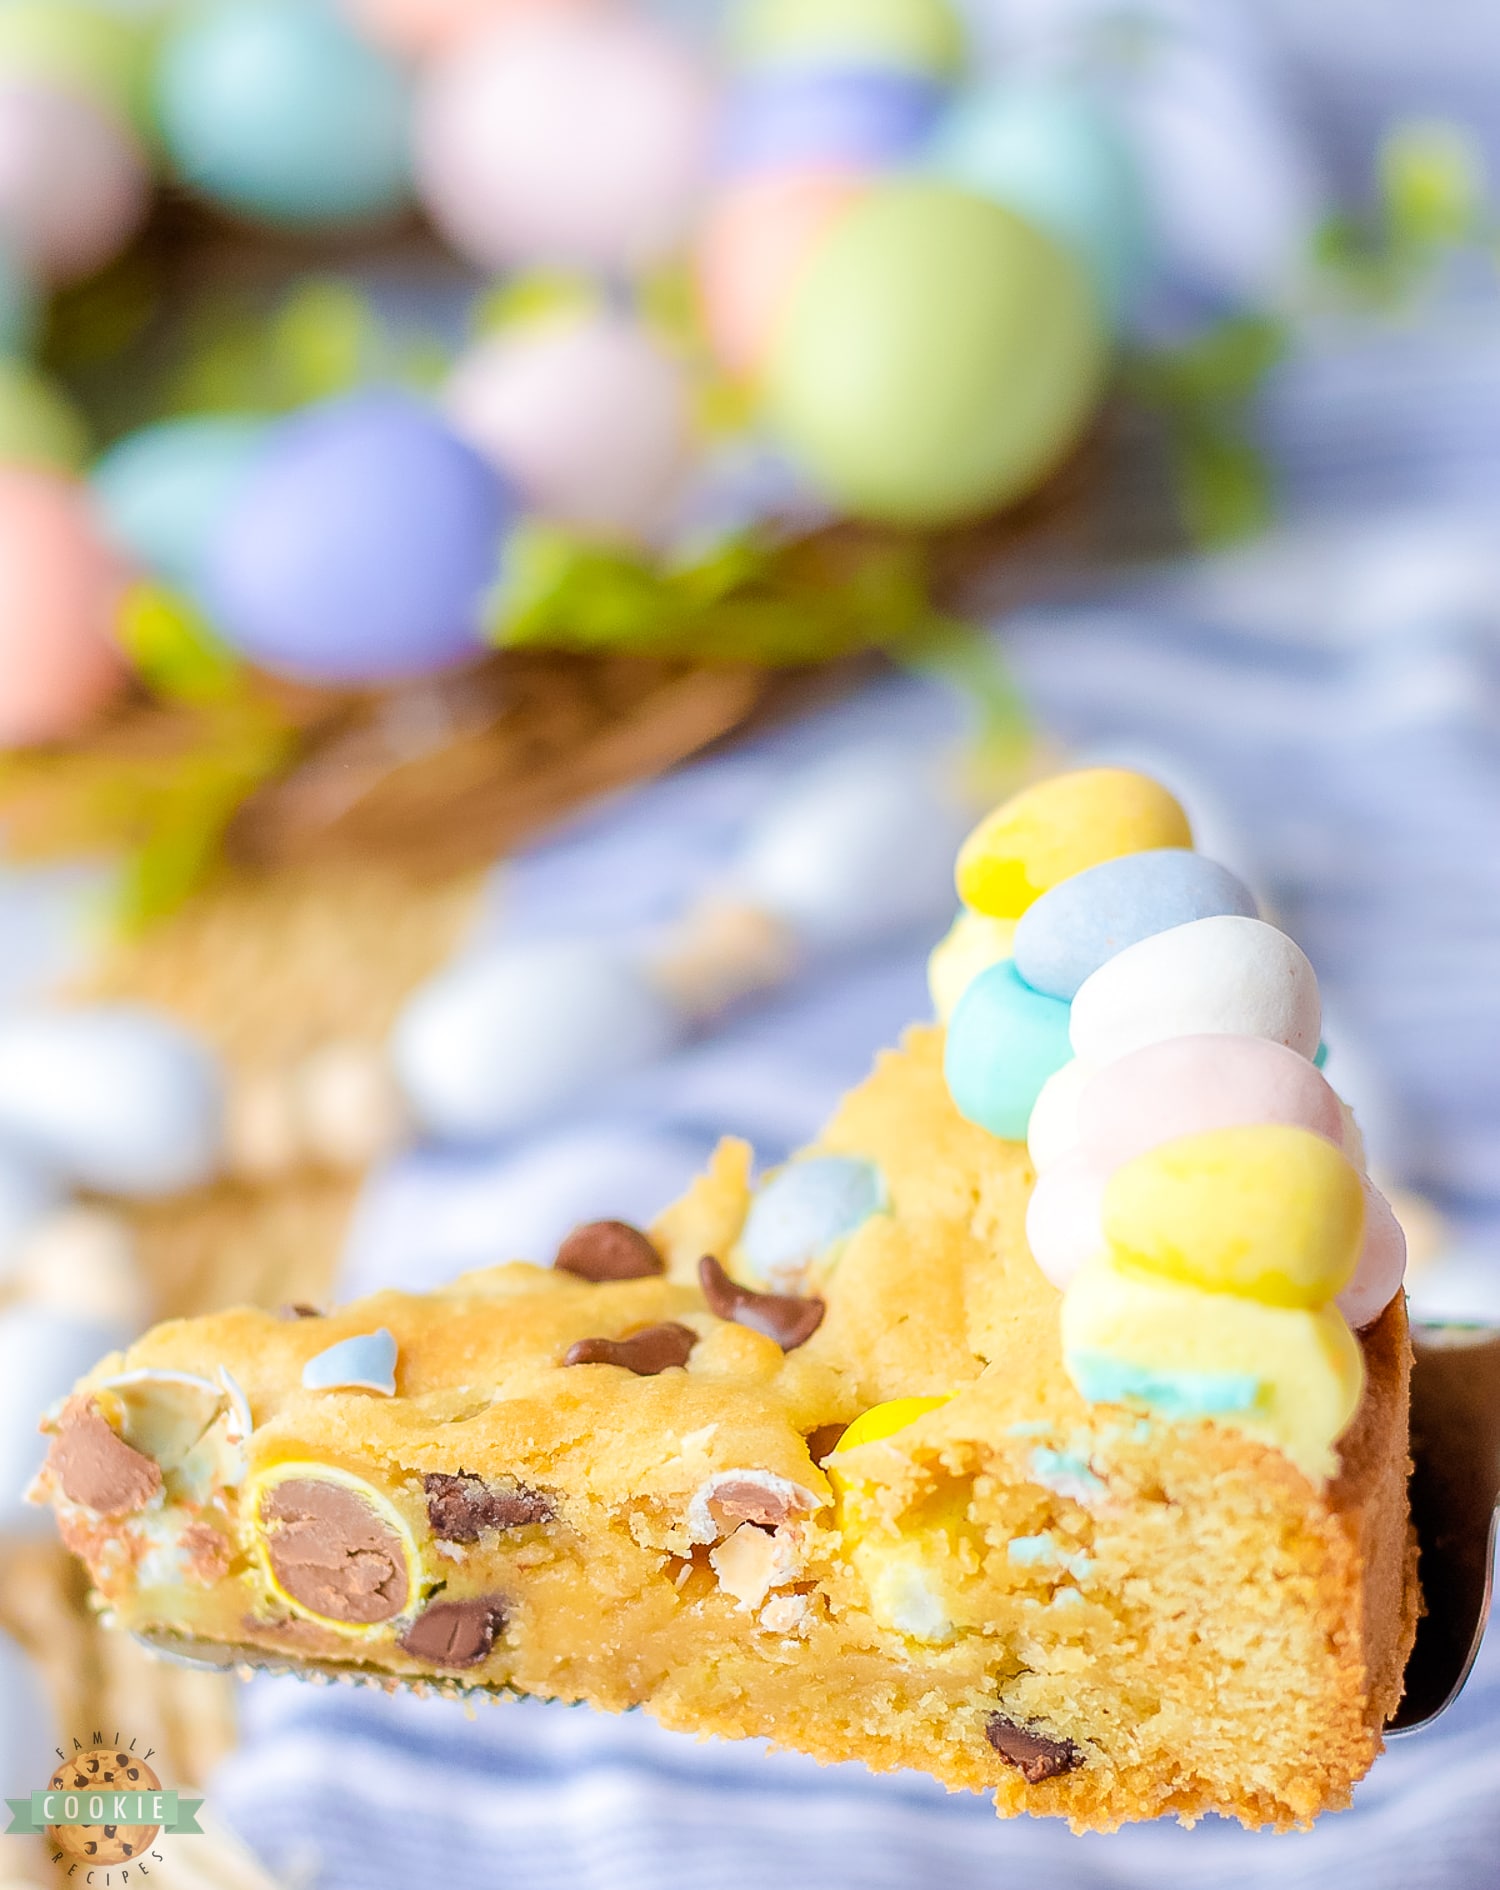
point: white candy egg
(504, 1039)
(1052, 1133)
(117, 1097)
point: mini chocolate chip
(456, 1633)
(299, 1309)
(789, 1321)
(645, 1353)
(461, 1508)
(609, 1250)
(1034, 1755)
(820, 1442)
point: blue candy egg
(360, 547)
(801, 1214)
(19, 305)
(278, 110)
(164, 490)
(1081, 923)
(1053, 154)
(1004, 1040)
(366, 1361)
(852, 117)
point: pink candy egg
(60, 588)
(759, 238)
(73, 182)
(588, 417)
(422, 26)
(572, 139)
(1186, 1085)
(1382, 1263)
(1065, 1219)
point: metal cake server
(1455, 1500)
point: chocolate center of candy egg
(332, 1553)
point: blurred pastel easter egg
(1187, 1085)
(39, 424)
(850, 851)
(1053, 1133)
(1230, 975)
(937, 360)
(500, 1041)
(1381, 1266)
(20, 305)
(69, 44)
(278, 110)
(60, 587)
(1055, 156)
(1064, 1220)
(43, 1353)
(857, 118)
(574, 139)
(29, 1191)
(422, 26)
(801, 1215)
(1004, 1041)
(910, 35)
(84, 1259)
(163, 491)
(1267, 1212)
(1082, 922)
(360, 547)
(589, 417)
(757, 241)
(971, 944)
(74, 186)
(1062, 826)
(116, 1097)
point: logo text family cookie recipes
(102, 1811)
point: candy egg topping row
(1113, 999)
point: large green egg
(84, 48)
(910, 35)
(939, 358)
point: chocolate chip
(789, 1321)
(461, 1508)
(456, 1633)
(609, 1250)
(331, 1552)
(299, 1309)
(1034, 1755)
(96, 1467)
(645, 1353)
(820, 1442)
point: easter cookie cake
(1072, 1472)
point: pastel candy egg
(39, 424)
(588, 417)
(116, 1097)
(1062, 826)
(1083, 922)
(574, 139)
(278, 110)
(801, 1214)
(1287, 1376)
(360, 547)
(1055, 156)
(972, 944)
(163, 491)
(758, 240)
(502, 1040)
(861, 118)
(937, 359)
(1186, 1085)
(423, 26)
(1232, 976)
(59, 590)
(911, 35)
(1268, 1212)
(1053, 1131)
(19, 302)
(366, 1361)
(1004, 1041)
(73, 182)
(884, 1420)
(1381, 1266)
(1064, 1219)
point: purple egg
(361, 547)
(861, 116)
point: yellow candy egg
(972, 945)
(1287, 1376)
(1060, 827)
(1268, 1212)
(884, 1420)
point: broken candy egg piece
(364, 1362)
(802, 1214)
(332, 1546)
(193, 1428)
(728, 1498)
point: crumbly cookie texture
(1088, 1612)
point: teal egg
(39, 425)
(277, 110)
(923, 36)
(163, 491)
(938, 359)
(1055, 156)
(19, 304)
(1004, 1041)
